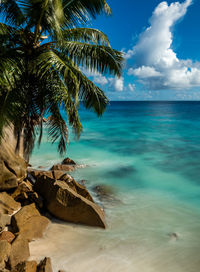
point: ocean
(148, 156)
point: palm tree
(44, 44)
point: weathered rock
(25, 195)
(45, 265)
(19, 252)
(7, 207)
(60, 175)
(38, 173)
(28, 266)
(29, 223)
(78, 188)
(57, 174)
(5, 220)
(24, 187)
(7, 236)
(7, 204)
(5, 249)
(66, 204)
(12, 166)
(37, 199)
(63, 167)
(68, 161)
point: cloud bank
(156, 64)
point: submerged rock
(173, 236)
(68, 204)
(105, 193)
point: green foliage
(43, 44)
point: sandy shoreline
(125, 246)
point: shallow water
(149, 153)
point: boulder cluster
(27, 197)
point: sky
(161, 45)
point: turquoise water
(149, 155)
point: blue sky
(161, 43)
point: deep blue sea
(148, 153)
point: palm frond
(78, 12)
(57, 128)
(94, 57)
(86, 35)
(11, 12)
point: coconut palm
(44, 44)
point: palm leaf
(94, 57)
(11, 12)
(86, 35)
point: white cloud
(99, 79)
(144, 72)
(117, 83)
(96, 76)
(155, 63)
(131, 87)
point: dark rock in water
(68, 161)
(64, 199)
(29, 223)
(45, 266)
(121, 172)
(67, 165)
(173, 236)
(105, 193)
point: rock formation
(64, 202)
